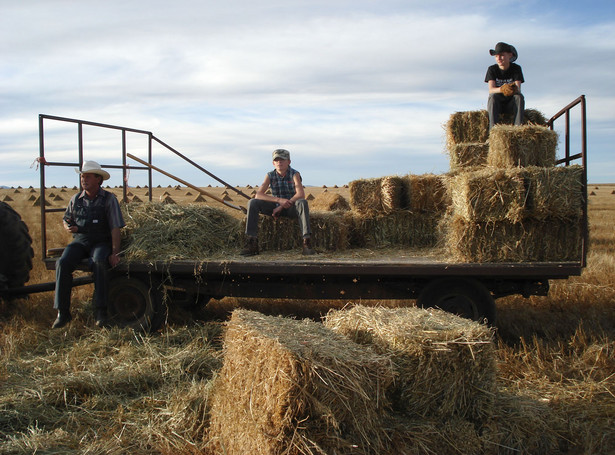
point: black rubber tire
(467, 298)
(136, 302)
(15, 247)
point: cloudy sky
(353, 88)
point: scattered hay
(330, 202)
(426, 193)
(470, 126)
(399, 228)
(489, 194)
(295, 387)
(527, 145)
(445, 365)
(467, 155)
(156, 231)
(505, 241)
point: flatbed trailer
(141, 292)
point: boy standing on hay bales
(95, 219)
(287, 199)
(504, 79)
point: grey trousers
(499, 104)
(258, 206)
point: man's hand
(509, 89)
(114, 259)
(276, 212)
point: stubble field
(85, 390)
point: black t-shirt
(501, 77)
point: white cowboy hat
(92, 167)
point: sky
(352, 88)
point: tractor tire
(15, 249)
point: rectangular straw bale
(526, 145)
(425, 193)
(296, 387)
(504, 241)
(467, 155)
(376, 195)
(329, 232)
(489, 194)
(402, 228)
(469, 126)
(445, 364)
(555, 192)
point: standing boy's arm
(261, 192)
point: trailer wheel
(465, 297)
(136, 302)
(16, 248)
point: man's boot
(307, 247)
(64, 317)
(251, 248)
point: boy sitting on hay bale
(504, 79)
(287, 199)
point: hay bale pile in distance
(296, 387)
(159, 231)
(445, 365)
(526, 145)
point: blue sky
(354, 89)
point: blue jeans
(65, 266)
(257, 206)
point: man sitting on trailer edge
(287, 199)
(95, 219)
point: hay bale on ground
(295, 387)
(329, 232)
(467, 155)
(445, 365)
(330, 202)
(377, 195)
(7, 198)
(505, 241)
(399, 228)
(426, 193)
(489, 194)
(470, 126)
(527, 145)
(554, 192)
(156, 231)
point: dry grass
(84, 391)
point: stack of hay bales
(512, 204)
(295, 387)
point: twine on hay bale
(376, 195)
(329, 232)
(295, 387)
(489, 194)
(505, 241)
(467, 155)
(555, 192)
(526, 145)
(444, 364)
(400, 228)
(469, 126)
(158, 231)
(329, 202)
(425, 193)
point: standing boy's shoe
(63, 318)
(101, 318)
(307, 247)
(251, 248)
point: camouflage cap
(281, 153)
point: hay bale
(527, 145)
(489, 194)
(376, 195)
(535, 117)
(309, 197)
(136, 198)
(7, 198)
(156, 231)
(426, 193)
(467, 155)
(329, 232)
(295, 387)
(168, 200)
(445, 365)
(400, 228)
(470, 126)
(330, 202)
(554, 192)
(505, 241)
(200, 198)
